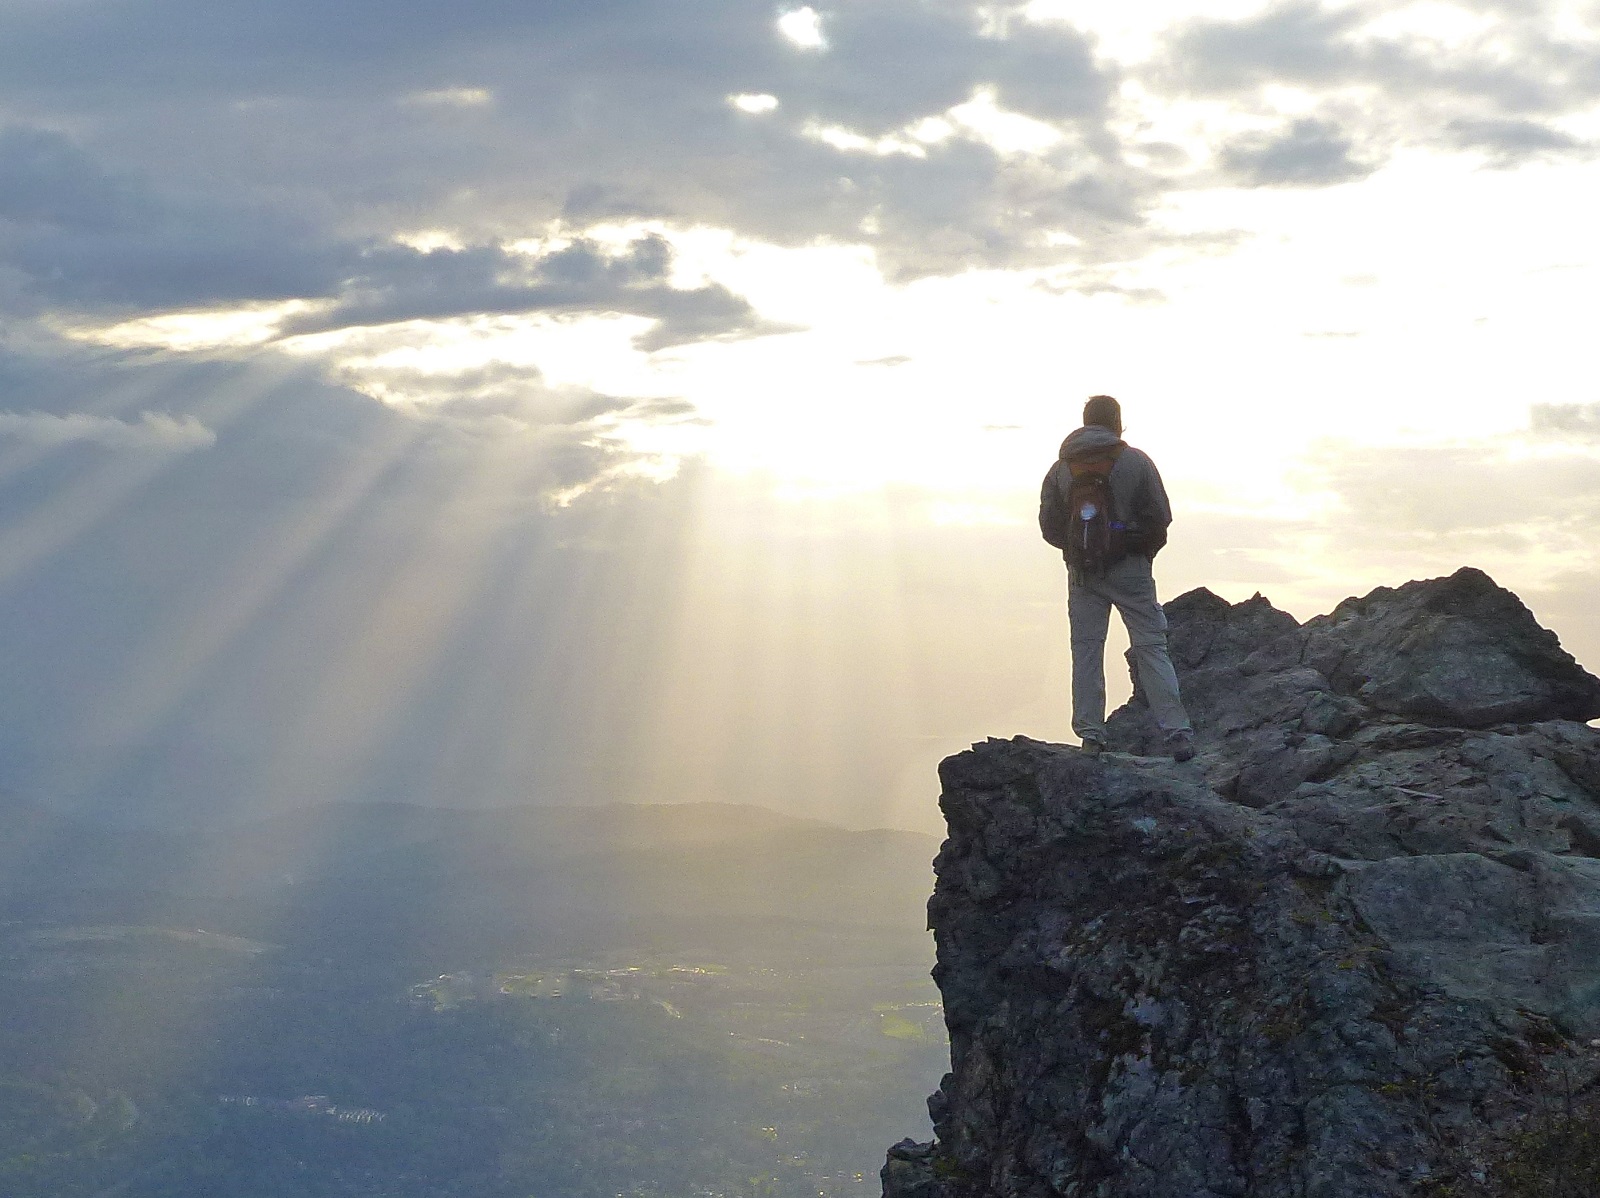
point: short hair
(1104, 411)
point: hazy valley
(389, 1000)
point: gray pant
(1132, 588)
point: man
(1118, 574)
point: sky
(492, 402)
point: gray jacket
(1139, 497)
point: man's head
(1104, 411)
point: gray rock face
(1328, 956)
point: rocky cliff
(1352, 949)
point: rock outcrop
(1338, 954)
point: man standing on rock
(1104, 507)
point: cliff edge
(1351, 949)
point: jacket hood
(1092, 440)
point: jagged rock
(1280, 704)
(1460, 649)
(1324, 959)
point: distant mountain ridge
(387, 875)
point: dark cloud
(1510, 142)
(46, 180)
(1288, 43)
(157, 46)
(84, 237)
(890, 63)
(1308, 153)
(595, 111)
(396, 283)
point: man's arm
(1155, 512)
(1051, 505)
(1160, 512)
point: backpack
(1082, 521)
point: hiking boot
(1181, 745)
(1091, 747)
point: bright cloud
(234, 328)
(851, 142)
(754, 102)
(803, 27)
(454, 97)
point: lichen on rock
(1336, 955)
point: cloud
(506, 397)
(394, 284)
(1308, 153)
(271, 425)
(667, 408)
(754, 102)
(1521, 62)
(1495, 84)
(153, 430)
(453, 97)
(88, 238)
(1513, 141)
(498, 390)
(803, 27)
(495, 119)
(1569, 422)
(599, 111)
(1298, 42)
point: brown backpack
(1097, 539)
